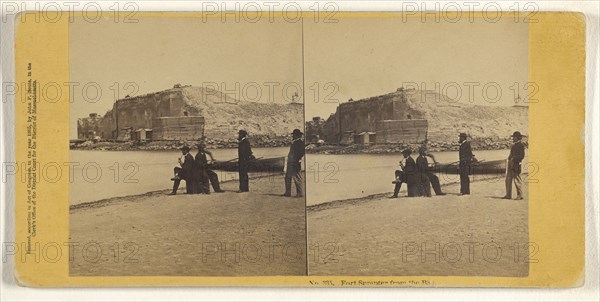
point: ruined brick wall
(401, 131)
(223, 116)
(331, 129)
(178, 128)
(140, 111)
(364, 116)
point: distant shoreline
(397, 148)
(262, 141)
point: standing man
(466, 157)
(513, 168)
(294, 167)
(244, 158)
(185, 172)
(423, 165)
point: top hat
(297, 132)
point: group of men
(419, 179)
(198, 173)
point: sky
(355, 58)
(366, 57)
(158, 52)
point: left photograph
(187, 147)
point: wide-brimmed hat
(185, 148)
(406, 151)
(517, 134)
(297, 132)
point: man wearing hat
(513, 168)
(432, 179)
(294, 167)
(406, 174)
(244, 158)
(205, 174)
(184, 172)
(466, 157)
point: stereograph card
(357, 149)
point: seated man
(184, 172)
(205, 174)
(406, 174)
(423, 164)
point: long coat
(410, 170)
(187, 167)
(517, 153)
(465, 154)
(200, 166)
(244, 151)
(296, 152)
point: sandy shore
(227, 234)
(448, 235)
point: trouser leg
(435, 183)
(297, 176)
(190, 186)
(399, 176)
(214, 180)
(465, 183)
(202, 183)
(176, 185)
(425, 186)
(464, 180)
(518, 185)
(288, 180)
(244, 180)
(508, 182)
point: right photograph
(417, 146)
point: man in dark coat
(423, 164)
(294, 167)
(466, 157)
(423, 174)
(244, 158)
(406, 174)
(184, 172)
(206, 174)
(513, 168)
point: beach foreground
(451, 235)
(228, 234)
